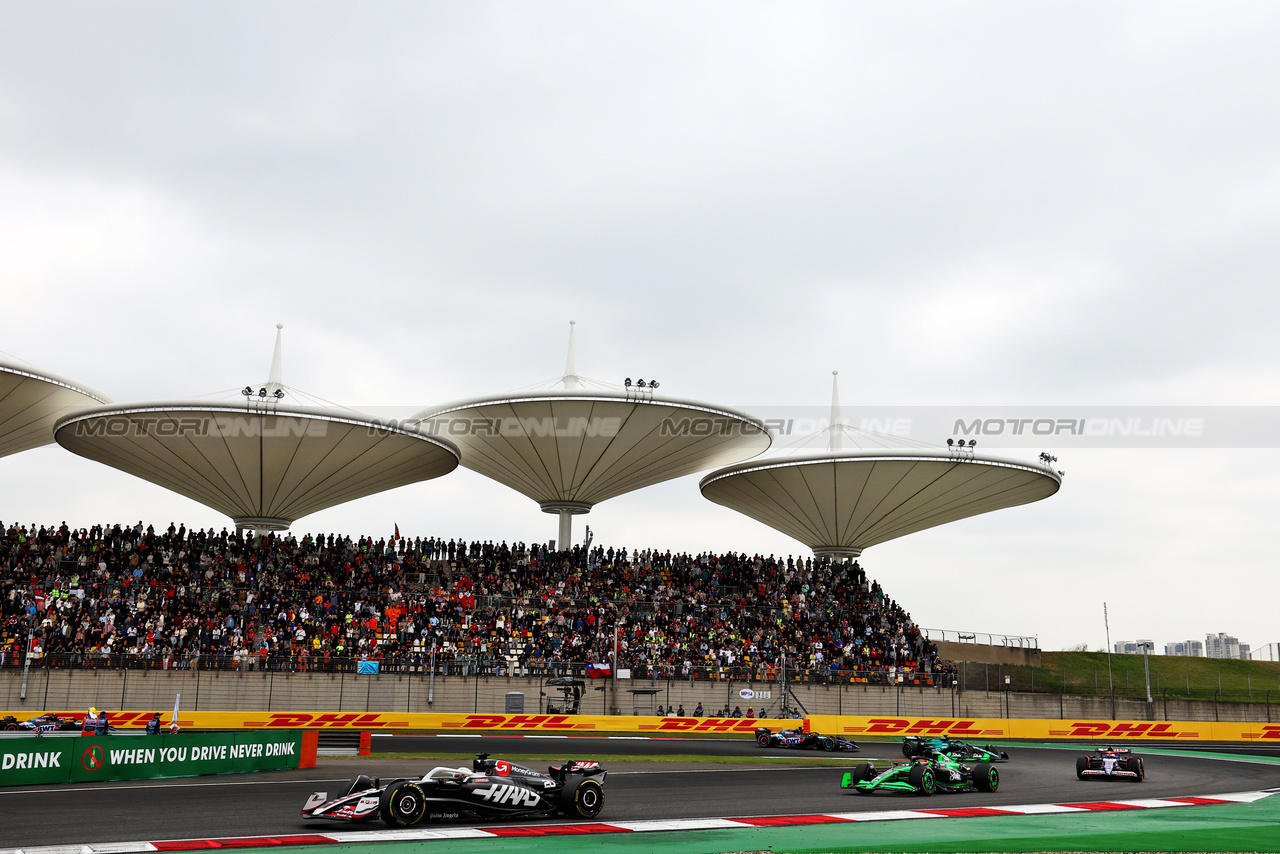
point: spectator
(129, 595)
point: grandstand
(137, 597)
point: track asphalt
(774, 783)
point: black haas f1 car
(798, 739)
(1116, 763)
(961, 750)
(492, 789)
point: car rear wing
(585, 768)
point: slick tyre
(10, 727)
(829, 744)
(922, 778)
(986, 779)
(865, 771)
(762, 740)
(907, 750)
(1135, 765)
(402, 804)
(587, 800)
(1082, 765)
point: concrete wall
(985, 654)
(348, 692)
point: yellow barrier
(374, 721)
(854, 727)
(1043, 730)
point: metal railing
(485, 666)
(967, 636)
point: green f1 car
(962, 750)
(921, 776)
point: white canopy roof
(579, 447)
(841, 503)
(263, 464)
(32, 401)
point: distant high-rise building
(1132, 647)
(1223, 645)
(1190, 648)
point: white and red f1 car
(1115, 763)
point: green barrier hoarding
(84, 759)
(132, 758)
(31, 761)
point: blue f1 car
(798, 739)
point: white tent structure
(578, 442)
(32, 401)
(264, 461)
(843, 501)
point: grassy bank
(1172, 677)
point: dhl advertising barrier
(375, 721)
(854, 727)
(81, 759)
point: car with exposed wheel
(50, 723)
(1111, 763)
(962, 751)
(490, 789)
(798, 739)
(923, 775)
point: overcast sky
(976, 205)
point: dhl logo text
(125, 719)
(303, 720)
(518, 722)
(1102, 729)
(1272, 731)
(704, 725)
(923, 726)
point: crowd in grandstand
(179, 598)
